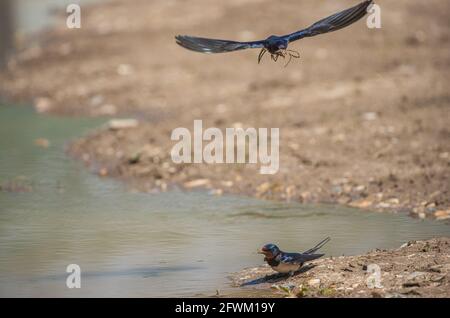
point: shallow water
(137, 244)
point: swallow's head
(276, 43)
(270, 251)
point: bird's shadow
(275, 278)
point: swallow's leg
(278, 54)
(283, 53)
(292, 55)
(289, 61)
(261, 54)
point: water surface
(142, 245)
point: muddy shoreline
(352, 276)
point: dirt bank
(363, 115)
(417, 269)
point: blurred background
(368, 106)
(364, 127)
(22, 18)
(6, 25)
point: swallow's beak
(260, 252)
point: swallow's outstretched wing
(330, 24)
(333, 23)
(204, 45)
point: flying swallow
(277, 46)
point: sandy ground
(353, 276)
(363, 115)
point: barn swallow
(285, 263)
(277, 46)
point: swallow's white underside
(286, 268)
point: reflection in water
(138, 244)
(143, 272)
(284, 214)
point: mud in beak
(261, 252)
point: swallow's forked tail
(318, 246)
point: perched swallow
(283, 262)
(277, 46)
